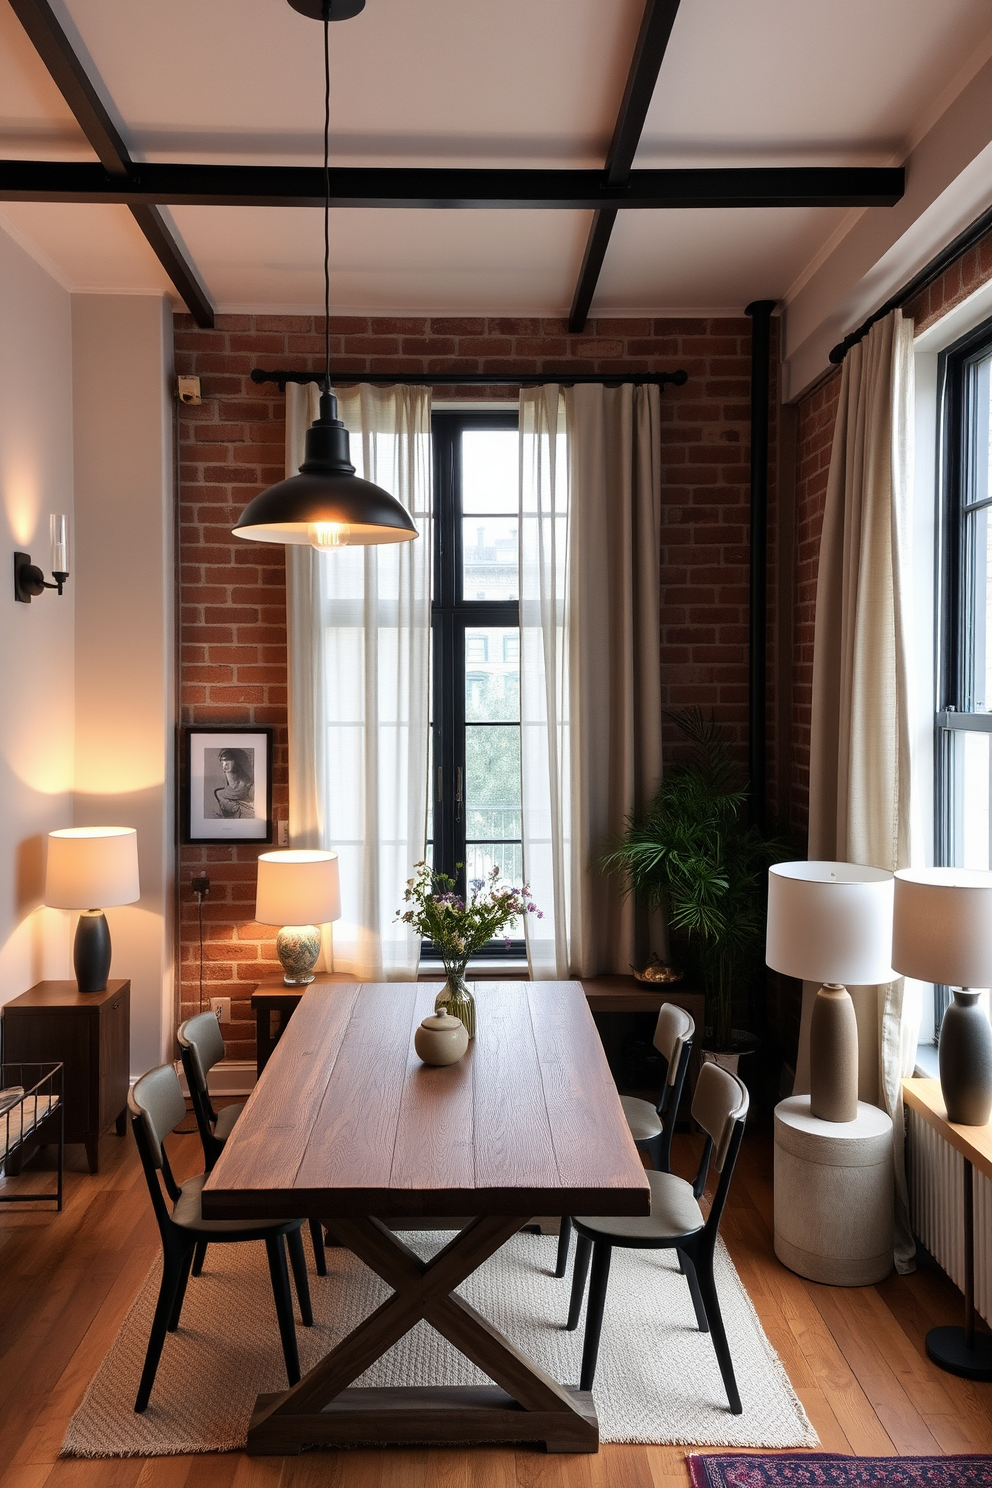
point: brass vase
(456, 999)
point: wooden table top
(346, 1120)
(973, 1142)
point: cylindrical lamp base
(965, 1059)
(298, 947)
(91, 951)
(833, 1043)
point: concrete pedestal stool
(833, 1194)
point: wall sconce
(29, 580)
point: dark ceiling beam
(77, 88)
(649, 53)
(415, 187)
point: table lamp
(298, 890)
(87, 867)
(942, 932)
(831, 922)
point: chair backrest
(157, 1100)
(673, 1029)
(720, 1102)
(202, 1037)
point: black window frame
(451, 616)
(960, 423)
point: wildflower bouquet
(458, 927)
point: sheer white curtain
(590, 703)
(359, 661)
(860, 765)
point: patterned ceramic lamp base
(298, 947)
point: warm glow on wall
(22, 502)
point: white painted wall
(124, 659)
(36, 640)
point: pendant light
(327, 505)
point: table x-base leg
(523, 1405)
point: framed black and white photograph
(228, 785)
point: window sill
(510, 968)
(926, 1061)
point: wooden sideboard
(274, 1003)
(90, 1032)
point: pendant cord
(327, 200)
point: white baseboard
(230, 1077)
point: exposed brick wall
(233, 663)
(814, 437)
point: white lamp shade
(942, 926)
(298, 887)
(830, 922)
(92, 867)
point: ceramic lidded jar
(441, 1039)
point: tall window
(474, 822)
(963, 751)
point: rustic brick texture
(233, 660)
(814, 437)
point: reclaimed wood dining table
(346, 1125)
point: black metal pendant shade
(327, 504)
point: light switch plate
(282, 833)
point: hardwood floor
(855, 1356)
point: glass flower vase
(456, 999)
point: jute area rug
(824, 1470)
(657, 1379)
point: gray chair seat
(642, 1118)
(186, 1212)
(674, 1212)
(226, 1117)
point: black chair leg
(602, 1254)
(172, 1265)
(655, 1149)
(712, 1303)
(279, 1275)
(689, 1272)
(294, 1242)
(199, 1255)
(317, 1241)
(564, 1240)
(177, 1306)
(583, 1250)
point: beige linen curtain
(590, 532)
(860, 754)
(359, 659)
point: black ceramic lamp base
(948, 1347)
(91, 951)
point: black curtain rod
(483, 379)
(931, 271)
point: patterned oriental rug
(823, 1470)
(657, 1381)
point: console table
(90, 1033)
(274, 1003)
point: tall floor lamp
(942, 933)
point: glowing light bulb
(329, 534)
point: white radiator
(935, 1201)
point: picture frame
(228, 785)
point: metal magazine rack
(31, 1108)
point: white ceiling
(518, 82)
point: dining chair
(652, 1125)
(201, 1046)
(676, 1222)
(156, 1105)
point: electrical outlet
(282, 833)
(221, 1009)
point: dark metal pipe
(467, 379)
(760, 312)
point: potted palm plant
(693, 854)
